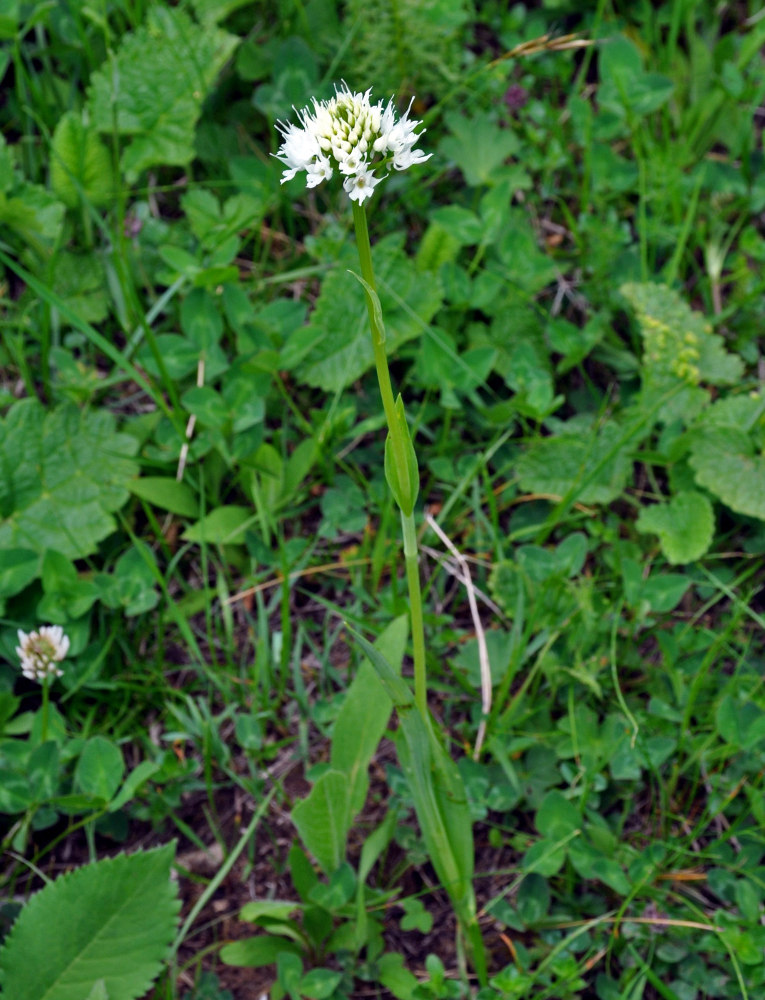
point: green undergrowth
(192, 485)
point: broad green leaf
(726, 463)
(336, 347)
(113, 920)
(545, 857)
(591, 863)
(659, 592)
(557, 817)
(685, 526)
(80, 165)
(478, 145)
(364, 716)
(100, 768)
(222, 526)
(166, 493)
(322, 819)
(154, 87)
(257, 951)
(318, 984)
(462, 224)
(133, 584)
(137, 777)
(202, 320)
(34, 214)
(594, 465)
(19, 567)
(62, 474)
(80, 281)
(625, 86)
(395, 977)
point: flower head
(351, 134)
(40, 652)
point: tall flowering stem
(401, 452)
(363, 142)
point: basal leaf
(62, 474)
(322, 819)
(685, 526)
(336, 347)
(155, 86)
(364, 715)
(111, 921)
(726, 463)
(594, 465)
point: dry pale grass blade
(183, 457)
(545, 43)
(483, 652)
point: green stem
(415, 609)
(44, 715)
(399, 447)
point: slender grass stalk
(399, 449)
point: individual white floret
(360, 186)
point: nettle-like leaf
(336, 347)
(680, 350)
(685, 526)
(727, 464)
(62, 474)
(726, 452)
(155, 87)
(80, 163)
(595, 463)
(109, 923)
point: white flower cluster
(349, 133)
(40, 652)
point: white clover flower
(40, 652)
(355, 136)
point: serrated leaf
(63, 473)
(679, 349)
(112, 921)
(336, 347)
(725, 463)
(595, 465)
(154, 87)
(685, 526)
(80, 166)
